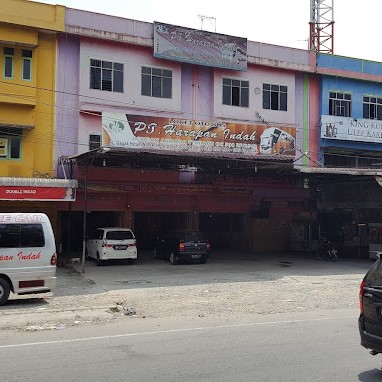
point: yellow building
(28, 34)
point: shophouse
(349, 150)
(168, 127)
(27, 107)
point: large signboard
(351, 129)
(199, 47)
(187, 135)
(37, 193)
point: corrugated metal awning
(14, 126)
(202, 162)
(38, 182)
(340, 171)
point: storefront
(240, 202)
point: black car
(182, 246)
(370, 319)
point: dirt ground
(241, 285)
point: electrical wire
(62, 138)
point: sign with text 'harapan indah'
(187, 135)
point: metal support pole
(85, 214)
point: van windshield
(119, 235)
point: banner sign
(351, 129)
(38, 193)
(186, 135)
(199, 47)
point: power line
(61, 138)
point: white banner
(351, 129)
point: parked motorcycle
(326, 251)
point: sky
(278, 22)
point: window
(21, 235)
(340, 104)
(119, 235)
(156, 82)
(10, 143)
(94, 141)
(235, 92)
(275, 97)
(106, 75)
(372, 107)
(8, 66)
(26, 68)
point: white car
(112, 243)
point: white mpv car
(112, 243)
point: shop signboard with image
(187, 135)
(351, 129)
(64, 194)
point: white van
(112, 243)
(27, 254)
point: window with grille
(275, 97)
(94, 141)
(235, 92)
(106, 75)
(10, 143)
(156, 82)
(372, 107)
(340, 104)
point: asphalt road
(286, 347)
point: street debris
(120, 308)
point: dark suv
(370, 319)
(182, 246)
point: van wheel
(173, 260)
(86, 254)
(99, 261)
(4, 291)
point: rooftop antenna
(211, 20)
(321, 26)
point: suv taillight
(104, 244)
(361, 292)
(208, 246)
(181, 247)
(53, 260)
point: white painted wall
(133, 59)
(256, 76)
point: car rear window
(374, 277)
(119, 235)
(192, 236)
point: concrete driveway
(222, 266)
(231, 283)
